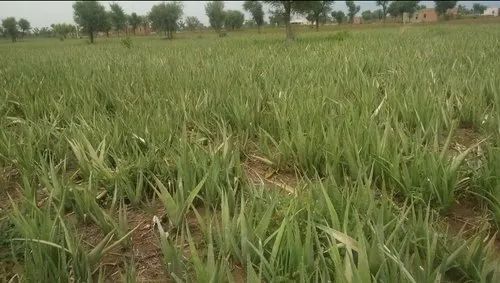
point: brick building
(140, 30)
(425, 16)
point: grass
(146, 145)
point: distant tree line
(15, 29)
(477, 9)
(165, 18)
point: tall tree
(255, 9)
(276, 17)
(90, 15)
(10, 28)
(478, 8)
(318, 10)
(24, 25)
(442, 6)
(421, 7)
(166, 16)
(287, 8)
(145, 23)
(234, 19)
(383, 5)
(398, 8)
(338, 16)
(216, 15)
(118, 17)
(134, 21)
(367, 15)
(107, 25)
(353, 9)
(192, 23)
(462, 10)
(378, 14)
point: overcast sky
(45, 13)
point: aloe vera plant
(378, 135)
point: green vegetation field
(368, 155)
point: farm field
(348, 155)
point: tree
(192, 23)
(352, 10)
(378, 14)
(63, 30)
(216, 15)
(319, 10)
(181, 25)
(44, 31)
(478, 8)
(10, 28)
(339, 16)
(118, 17)
(134, 21)
(287, 8)
(367, 15)
(107, 25)
(462, 10)
(398, 8)
(234, 19)
(24, 25)
(255, 9)
(146, 23)
(384, 5)
(442, 6)
(166, 17)
(90, 15)
(276, 18)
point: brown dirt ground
(9, 179)
(239, 274)
(468, 217)
(466, 136)
(259, 171)
(9, 189)
(145, 249)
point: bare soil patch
(469, 217)
(466, 215)
(239, 274)
(145, 245)
(9, 189)
(144, 249)
(9, 179)
(259, 171)
(464, 137)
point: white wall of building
(491, 12)
(299, 20)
